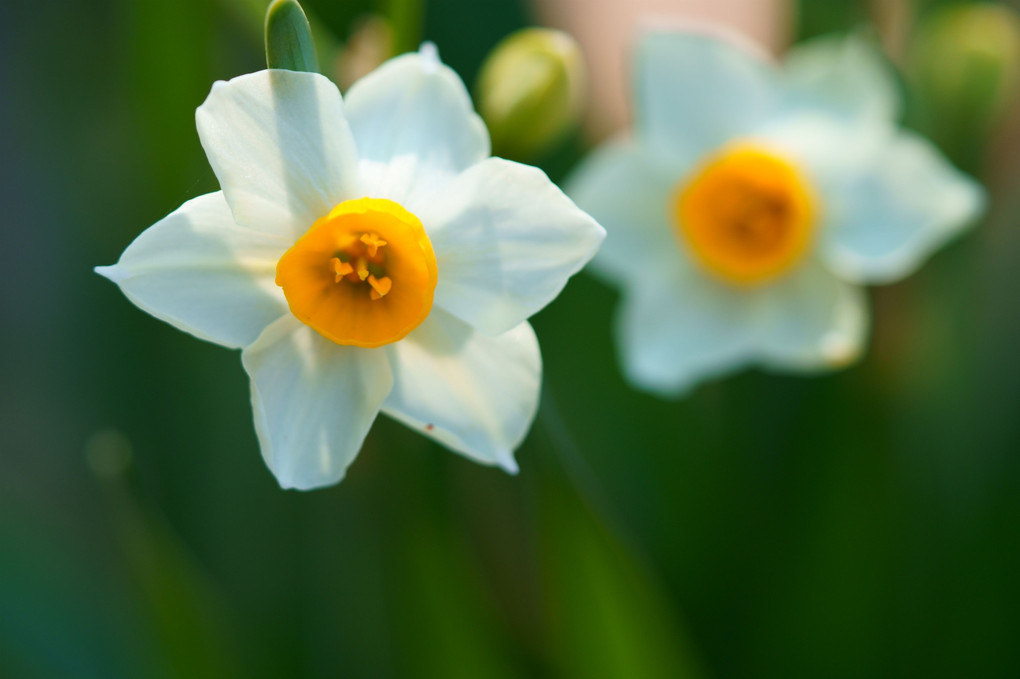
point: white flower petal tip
(838, 351)
(198, 271)
(429, 56)
(507, 240)
(672, 387)
(811, 322)
(314, 402)
(507, 463)
(477, 395)
(111, 273)
(416, 128)
(912, 203)
(846, 77)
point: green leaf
(451, 630)
(187, 614)
(289, 43)
(608, 615)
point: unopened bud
(530, 91)
(289, 41)
(966, 63)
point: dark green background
(863, 524)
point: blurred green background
(860, 524)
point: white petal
(506, 241)
(415, 128)
(830, 152)
(686, 327)
(475, 394)
(846, 78)
(314, 401)
(908, 203)
(280, 147)
(200, 272)
(629, 194)
(811, 320)
(695, 92)
(690, 327)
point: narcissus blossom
(366, 254)
(751, 202)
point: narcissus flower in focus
(751, 202)
(366, 255)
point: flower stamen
(380, 286)
(365, 253)
(373, 241)
(341, 269)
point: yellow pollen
(747, 215)
(362, 275)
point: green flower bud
(966, 64)
(530, 91)
(289, 41)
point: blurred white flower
(365, 255)
(752, 200)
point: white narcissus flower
(367, 255)
(751, 202)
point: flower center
(363, 275)
(747, 215)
